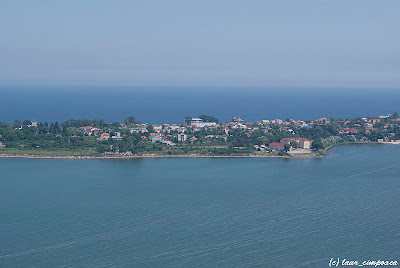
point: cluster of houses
(89, 130)
(161, 133)
(160, 137)
(100, 135)
(367, 126)
(167, 133)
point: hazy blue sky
(335, 43)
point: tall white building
(182, 137)
(198, 122)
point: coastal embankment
(54, 155)
(142, 156)
(325, 151)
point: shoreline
(32, 156)
(84, 157)
(325, 151)
(142, 156)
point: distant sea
(171, 105)
(201, 212)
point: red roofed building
(303, 142)
(323, 121)
(89, 130)
(237, 120)
(154, 137)
(276, 146)
(350, 130)
(104, 137)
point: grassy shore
(40, 152)
(87, 154)
(325, 151)
(91, 154)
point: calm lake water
(208, 212)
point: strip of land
(203, 136)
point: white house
(117, 137)
(182, 137)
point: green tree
(317, 144)
(65, 132)
(27, 122)
(130, 120)
(17, 124)
(208, 118)
(188, 119)
(294, 144)
(150, 128)
(286, 148)
(101, 148)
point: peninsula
(202, 136)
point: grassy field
(48, 152)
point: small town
(158, 134)
(196, 136)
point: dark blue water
(228, 212)
(171, 105)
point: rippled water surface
(208, 212)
